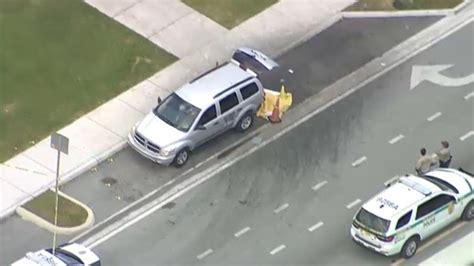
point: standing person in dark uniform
(444, 155)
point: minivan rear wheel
(245, 122)
(410, 247)
(181, 157)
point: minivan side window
(433, 204)
(248, 90)
(208, 115)
(403, 220)
(228, 102)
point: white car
(413, 208)
(68, 254)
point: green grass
(229, 13)
(392, 5)
(69, 213)
(59, 59)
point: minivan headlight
(166, 151)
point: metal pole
(56, 203)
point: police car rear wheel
(468, 213)
(410, 247)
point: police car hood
(38, 258)
(158, 131)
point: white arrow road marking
(469, 95)
(434, 116)
(241, 232)
(396, 139)
(204, 254)
(467, 135)
(432, 74)
(316, 226)
(277, 249)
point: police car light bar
(416, 186)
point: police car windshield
(443, 185)
(177, 112)
(372, 221)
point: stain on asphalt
(169, 205)
(109, 181)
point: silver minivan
(223, 98)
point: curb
(30, 216)
(406, 13)
(68, 176)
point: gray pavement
(248, 194)
(131, 176)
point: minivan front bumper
(155, 157)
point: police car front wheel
(468, 213)
(410, 247)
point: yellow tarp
(270, 100)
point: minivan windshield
(372, 221)
(177, 112)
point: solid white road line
(434, 116)
(396, 139)
(467, 135)
(354, 203)
(277, 249)
(319, 185)
(316, 226)
(204, 254)
(359, 161)
(469, 95)
(241, 232)
(281, 208)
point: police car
(68, 254)
(411, 209)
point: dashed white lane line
(469, 95)
(319, 185)
(467, 135)
(396, 139)
(434, 116)
(354, 203)
(315, 226)
(241, 232)
(277, 249)
(281, 208)
(204, 254)
(359, 161)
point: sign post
(61, 144)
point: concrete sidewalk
(458, 253)
(102, 132)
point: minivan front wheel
(181, 157)
(245, 122)
(410, 247)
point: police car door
(228, 108)
(434, 214)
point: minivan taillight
(385, 238)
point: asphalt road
(270, 191)
(330, 55)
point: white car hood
(158, 131)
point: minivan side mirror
(159, 99)
(200, 127)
